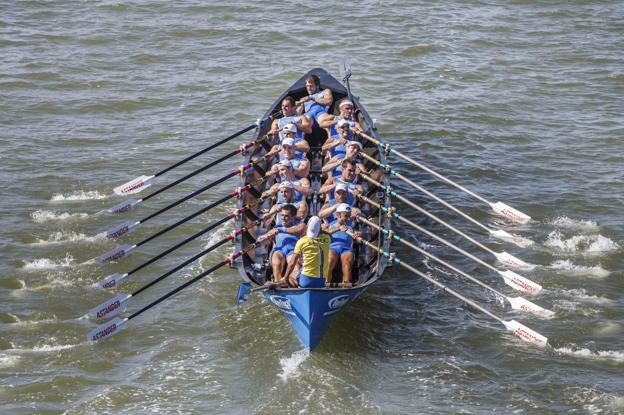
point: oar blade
(522, 304)
(107, 329)
(243, 293)
(134, 185)
(519, 282)
(122, 229)
(511, 261)
(510, 213)
(521, 241)
(526, 333)
(115, 254)
(110, 308)
(123, 207)
(112, 281)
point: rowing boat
(311, 310)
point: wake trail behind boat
(41, 216)
(78, 196)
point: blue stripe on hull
(310, 311)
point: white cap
(285, 162)
(342, 122)
(314, 227)
(288, 141)
(343, 207)
(286, 185)
(354, 143)
(347, 102)
(341, 186)
(289, 128)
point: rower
(329, 121)
(286, 235)
(333, 166)
(312, 255)
(303, 123)
(348, 177)
(341, 194)
(317, 102)
(286, 174)
(341, 246)
(336, 144)
(286, 196)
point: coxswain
(286, 235)
(311, 255)
(341, 246)
(317, 102)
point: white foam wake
(41, 216)
(567, 267)
(290, 364)
(46, 263)
(565, 222)
(583, 244)
(614, 355)
(63, 237)
(81, 195)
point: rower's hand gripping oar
(498, 207)
(144, 181)
(514, 280)
(130, 204)
(505, 258)
(130, 226)
(517, 303)
(118, 303)
(498, 233)
(114, 280)
(112, 327)
(517, 328)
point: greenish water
(519, 101)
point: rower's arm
(305, 124)
(326, 121)
(302, 212)
(327, 99)
(331, 165)
(304, 190)
(326, 210)
(303, 146)
(328, 186)
(303, 169)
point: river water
(519, 101)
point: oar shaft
(430, 255)
(388, 147)
(427, 213)
(215, 145)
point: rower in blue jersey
(336, 144)
(348, 177)
(286, 196)
(286, 236)
(341, 245)
(333, 166)
(289, 116)
(346, 112)
(341, 194)
(286, 174)
(317, 102)
(286, 151)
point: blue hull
(310, 311)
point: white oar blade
(511, 261)
(107, 329)
(509, 212)
(112, 281)
(110, 308)
(526, 333)
(116, 254)
(122, 229)
(134, 186)
(521, 241)
(519, 282)
(519, 303)
(123, 207)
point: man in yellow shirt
(312, 254)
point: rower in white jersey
(317, 102)
(346, 112)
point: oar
(129, 226)
(504, 257)
(517, 303)
(111, 327)
(132, 203)
(512, 279)
(124, 250)
(498, 233)
(498, 207)
(118, 303)
(517, 328)
(142, 182)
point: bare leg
(277, 263)
(347, 260)
(333, 261)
